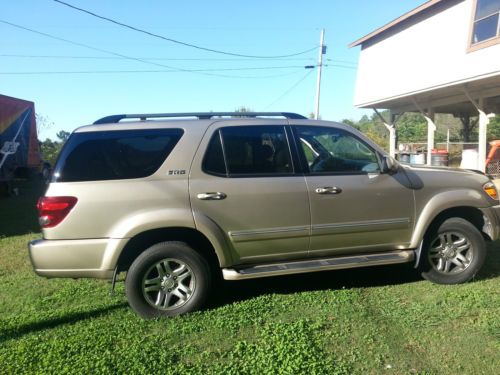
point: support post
(391, 127)
(392, 140)
(431, 128)
(484, 120)
(483, 126)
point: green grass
(365, 321)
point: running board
(341, 262)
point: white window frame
(483, 43)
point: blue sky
(264, 28)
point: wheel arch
(473, 215)
(192, 237)
(461, 202)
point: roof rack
(199, 115)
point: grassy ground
(365, 321)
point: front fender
(443, 201)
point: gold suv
(177, 199)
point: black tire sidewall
(174, 250)
(466, 229)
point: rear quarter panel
(123, 208)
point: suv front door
(354, 207)
(243, 179)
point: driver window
(330, 150)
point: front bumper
(94, 258)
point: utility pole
(322, 51)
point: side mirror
(389, 164)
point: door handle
(214, 196)
(328, 190)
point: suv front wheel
(167, 279)
(454, 253)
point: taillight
(53, 210)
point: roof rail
(199, 115)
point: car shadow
(491, 267)
(16, 332)
(227, 292)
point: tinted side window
(121, 154)
(256, 150)
(330, 150)
(213, 161)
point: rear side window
(248, 150)
(115, 155)
(213, 162)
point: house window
(486, 21)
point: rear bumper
(94, 258)
(492, 222)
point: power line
(340, 66)
(178, 41)
(144, 58)
(289, 90)
(137, 71)
(342, 61)
(194, 70)
(115, 53)
(155, 71)
(84, 45)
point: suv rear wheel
(167, 279)
(454, 253)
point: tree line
(412, 128)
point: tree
(348, 122)
(63, 135)
(43, 124)
(411, 128)
(243, 109)
(50, 150)
(468, 126)
(494, 128)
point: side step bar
(341, 262)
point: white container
(469, 159)
(418, 159)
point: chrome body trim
(266, 234)
(361, 226)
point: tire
(454, 253)
(167, 279)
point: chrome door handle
(328, 190)
(215, 196)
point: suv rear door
(354, 207)
(243, 179)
